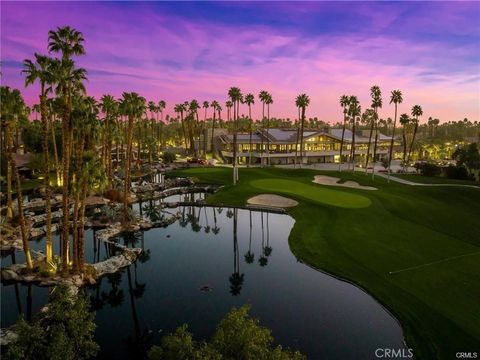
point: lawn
(372, 238)
(418, 178)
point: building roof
(279, 135)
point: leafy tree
(468, 156)
(237, 337)
(168, 157)
(65, 331)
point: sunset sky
(179, 51)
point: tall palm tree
(263, 96)
(194, 125)
(376, 95)
(215, 106)
(68, 42)
(354, 110)
(235, 97)
(41, 70)
(268, 102)
(302, 102)
(109, 107)
(250, 100)
(12, 109)
(396, 98)
(416, 112)
(344, 103)
(180, 109)
(134, 106)
(404, 121)
(206, 105)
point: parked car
(196, 161)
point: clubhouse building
(320, 146)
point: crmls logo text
(394, 353)
(466, 355)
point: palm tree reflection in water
(236, 279)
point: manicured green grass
(434, 179)
(364, 236)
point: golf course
(414, 249)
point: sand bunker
(272, 200)
(333, 181)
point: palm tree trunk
(46, 154)
(234, 162)
(415, 129)
(341, 142)
(213, 129)
(391, 145)
(55, 153)
(126, 188)
(81, 237)
(65, 185)
(353, 144)
(23, 227)
(296, 141)
(8, 139)
(369, 144)
(250, 139)
(375, 148)
(301, 136)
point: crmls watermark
(385, 353)
(466, 355)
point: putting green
(311, 192)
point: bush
(168, 157)
(64, 331)
(457, 172)
(237, 337)
(429, 169)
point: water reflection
(185, 275)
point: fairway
(415, 249)
(313, 193)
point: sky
(177, 51)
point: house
(320, 146)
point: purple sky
(180, 51)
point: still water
(241, 257)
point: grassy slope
(402, 226)
(434, 179)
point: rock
(7, 336)
(9, 275)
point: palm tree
(263, 95)
(344, 103)
(235, 96)
(68, 42)
(268, 102)
(404, 121)
(180, 109)
(376, 95)
(396, 98)
(354, 110)
(250, 100)
(205, 106)
(416, 112)
(13, 107)
(302, 102)
(134, 106)
(215, 106)
(193, 108)
(109, 107)
(41, 70)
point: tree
(194, 125)
(109, 107)
(354, 110)
(268, 102)
(416, 112)
(206, 105)
(263, 96)
(237, 337)
(12, 109)
(250, 100)
(236, 97)
(344, 103)
(64, 331)
(302, 101)
(396, 98)
(216, 107)
(468, 157)
(68, 78)
(41, 70)
(404, 121)
(376, 103)
(134, 107)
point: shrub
(168, 157)
(429, 169)
(457, 172)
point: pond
(236, 257)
